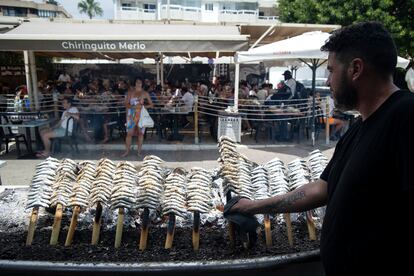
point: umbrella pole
(313, 67)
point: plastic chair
(8, 136)
(69, 138)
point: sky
(71, 6)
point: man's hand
(244, 206)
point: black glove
(244, 223)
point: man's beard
(346, 97)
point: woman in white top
(59, 130)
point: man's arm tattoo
(285, 204)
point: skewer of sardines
(40, 192)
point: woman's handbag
(145, 119)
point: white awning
(302, 47)
(116, 40)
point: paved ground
(187, 155)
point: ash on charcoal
(214, 241)
(214, 245)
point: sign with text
(131, 46)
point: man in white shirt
(60, 129)
(188, 100)
(263, 93)
(64, 77)
(291, 82)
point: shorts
(59, 132)
(331, 120)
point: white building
(31, 9)
(207, 11)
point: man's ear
(355, 69)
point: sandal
(41, 155)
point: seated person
(60, 129)
(336, 121)
(282, 94)
(188, 100)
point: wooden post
(56, 224)
(327, 122)
(311, 226)
(32, 226)
(288, 228)
(55, 105)
(196, 138)
(97, 224)
(119, 227)
(73, 224)
(268, 231)
(196, 231)
(170, 231)
(144, 230)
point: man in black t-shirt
(367, 186)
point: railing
(136, 13)
(265, 19)
(112, 108)
(238, 15)
(178, 12)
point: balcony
(135, 13)
(249, 16)
(178, 12)
(268, 19)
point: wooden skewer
(268, 231)
(119, 227)
(32, 226)
(288, 228)
(56, 224)
(232, 229)
(97, 224)
(196, 231)
(144, 230)
(73, 224)
(311, 226)
(170, 231)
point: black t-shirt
(371, 193)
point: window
(150, 6)
(47, 14)
(246, 6)
(208, 6)
(186, 3)
(14, 11)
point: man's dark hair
(69, 100)
(369, 41)
(138, 78)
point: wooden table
(28, 125)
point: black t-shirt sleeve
(325, 174)
(404, 148)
